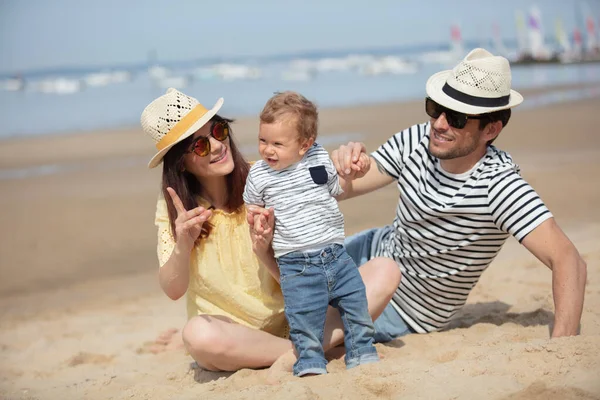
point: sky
(40, 34)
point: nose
(215, 145)
(270, 149)
(441, 123)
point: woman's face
(218, 162)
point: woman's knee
(203, 335)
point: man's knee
(203, 336)
(389, 271)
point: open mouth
(220, 156)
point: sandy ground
(80, 303)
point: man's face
(453, 134)
(447, 142)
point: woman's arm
(174, 275)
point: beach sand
(80, 303)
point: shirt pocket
(318, 174)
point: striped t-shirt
(449, 227)
(307, 216)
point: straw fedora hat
(479, 84)
(173, 117)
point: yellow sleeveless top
(226, 277)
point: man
(460, 199)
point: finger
(347, 158)
(357, 149)
(263, 223)
(257, 226)
(250, 218)
(194, 222)
(194, 212)
(335, 161)
(176, 201)
(271, 218)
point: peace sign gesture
(188, 224)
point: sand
(80, 304)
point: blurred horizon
(79, 66)
(39, 35)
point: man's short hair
(502, 116)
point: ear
(492, 130)
(306, 143)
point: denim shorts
(361, 248)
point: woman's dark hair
(187, 186)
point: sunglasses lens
(455, 119)
(202, 146)
(220, 131)
(432, 108)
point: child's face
(279, 144)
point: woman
(234, 304)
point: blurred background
(70, 65)
(78, 258)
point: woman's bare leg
(219, 344)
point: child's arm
(261, 223)
(333, 180)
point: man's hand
(351, 161)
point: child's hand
(362, 166)
(351, 161)
(261, 223)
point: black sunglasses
(455, 119)
(201, 145)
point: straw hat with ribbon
(173, 117)
(479, 84)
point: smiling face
(218, 162)
(447, 142)
(279, 143)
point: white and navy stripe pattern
(448, 228)
(306, 213)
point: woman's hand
(188, 224)
(261, 222)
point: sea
(105, 97)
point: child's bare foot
(281, 368)
(166, 341)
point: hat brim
(158, 157)
(434, 90)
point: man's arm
(354, 166)
(569, 273)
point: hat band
(475, 100)
(181, 127)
